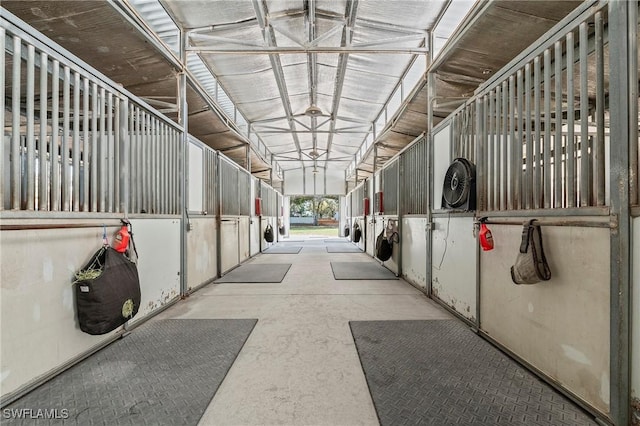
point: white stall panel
(229, 254)
(255, 235)
(453, 264)
(441, 161)
(293, 182)
(244, 238)
(414, 250)
(560, 326)
(158, 243)
(635, 308)
(195, 178)
(40, 331)
(201, 251)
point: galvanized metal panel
(561, 326)
(413, 243)
(453, 264)
(243, 238)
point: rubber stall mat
(256, 273)
(336, 240)
(441, 373)
(164, 373)
(361, 271)
(285, 249)
(343, 248)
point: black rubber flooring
(256, 273)
(441, 373)
(283, 249)
(361, 271)
(343, 248)
(163, 373)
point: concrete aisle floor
(300, 365)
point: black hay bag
(383, 247)
(531, 264)
(268, 234)
(346, 230)
(357, 233)
(107, 292)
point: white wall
(305, 182)
(201, 251)
(37, 302)
(441, 162)
(453, 267)
(414, 250)
(560, 326)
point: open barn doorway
(314, 216)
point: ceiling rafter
(262, 15)
(347, 36)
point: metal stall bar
(498, 149)
(623, 75)
(585, 178)
(490, 153)
(557, 148)
(75, 144)
(519, 141)
(546, 150)
(64, 145)
(95, 148)
(527, 186)
(124, 159)
(504, 147)
(535, 141)
(86, 149)
(513, 171)
(599, 149)
(102, 152)
(15, 124)
(109, 153)
(115, 173)
(31, 137)
(43, 169)
(570, 155)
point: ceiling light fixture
(313, 111)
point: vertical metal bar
(95, 153)
(599, 159)
(146, 164)
(64, 146)
(4, 164)
(527, 186)
(621, 77)
(109, 169)
(519, 198)
(86, 149)
(585, 178)
(155, 178)
(546, 196)
(634, 150)
(30, 172)
(102, 153)
(43, 175)
(133, 145)
(140, 162)
(570, 157)
(536, 186)
(480, 149)
(117, 145)
(15, 124)
(75, 146)
(55, 125)
(513, 159)
(124, 181)
(490, 169)
(504, 146)
(558, 175)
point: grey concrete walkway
(300, 365)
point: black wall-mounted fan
(459, 187)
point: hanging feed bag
(107, 292)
